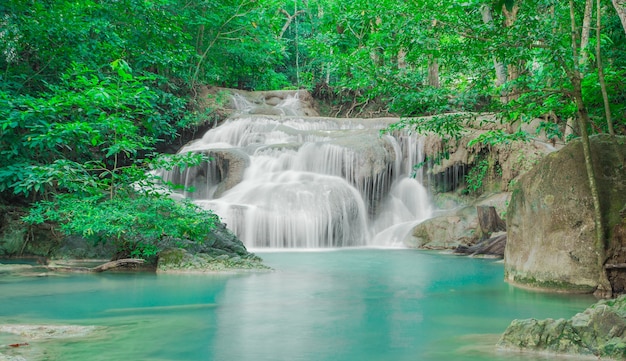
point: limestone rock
(445, 231)
(453, 228)
(513, 159)
(598, 331)
(550, 222)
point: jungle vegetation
(90, 89)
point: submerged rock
(36, 332)
(598, 331)
(25, 339)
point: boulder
(550, 218)
(211, 179)
(458, 227)
(445, 231)
(598, 331)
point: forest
(91, 90)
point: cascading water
(289, 181)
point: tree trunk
(584, 36)
(620, 7)
(433, 72)
(605, 94)
(288, 21)
(489, 221)
(604, 288)
(513, 67)
(485, 11)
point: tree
(82, 149)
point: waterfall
(288, 181)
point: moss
(552, 285)
(172, 256)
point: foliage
(88, 125)
(448, 126)
(136, 225)
(84, 147)
(476, 176)
(498, 136)
(483, 170)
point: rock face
(598, 331)
(510, 158)
(550, 222)
(225, 171)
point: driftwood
(101, 268)
(117, 263)
(493, 247)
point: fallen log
(101, 268)
(493, 246)
(117, 263)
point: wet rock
(598, 331)
(513, 159)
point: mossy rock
(599, 331)
(178, 260)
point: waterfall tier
(290, 181)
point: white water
(298, 182)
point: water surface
(350, 304)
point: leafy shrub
(136, 225)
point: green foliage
(90, 124)
(480, 172)
(448, 126)
(136, 225)
(84, 147)
(426, 101)
(89, 88)
(476, 176)
(498, 136)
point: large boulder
(455, 227)
(550, 218)
(599, 331)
